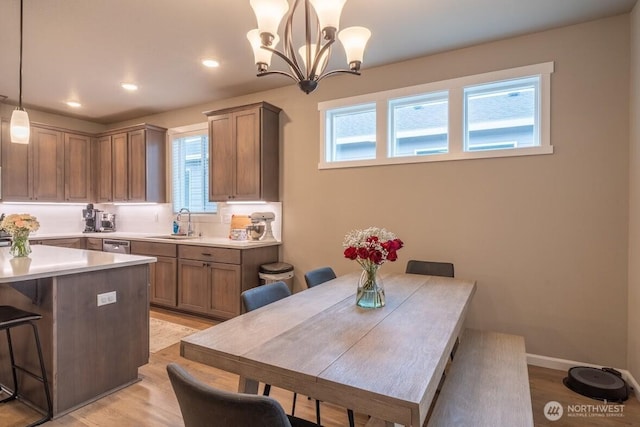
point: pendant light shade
(20, 127)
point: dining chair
(319, 276)
(202, 405)
(431, 268)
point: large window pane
(351, 133)
(419, 125)
(502, 115)
(190, 173)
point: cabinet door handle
(205, 254)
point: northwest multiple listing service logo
(553, 410)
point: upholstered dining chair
(319, 276)
(202, 405)
(431, 268)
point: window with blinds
(190, 171)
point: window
(353, 130)
(497, 114)
(502, 115)
(419, 125)
(190, 171)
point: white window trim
(456, 118)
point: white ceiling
(83, 49)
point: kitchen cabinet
(94, 244)
(244, 153)
(211, 279)
(77, 168)
(131, 165)
(72, 242)
(104, 165)
(163, 273)
(53, 167)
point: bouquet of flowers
(19, 223)
(19, 226)
(371, 248)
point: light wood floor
(151, 402)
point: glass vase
(20, 246)
(370, 290)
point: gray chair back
(430, 268)
(204, 406)
(319, 276)
(260, 296)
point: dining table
(384, 362)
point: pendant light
(20, 127)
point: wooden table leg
(246, 385)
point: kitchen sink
(174, 237)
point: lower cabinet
(74, 242)
(211, 279)
(209, 288)
(162, 273)
(94, 244)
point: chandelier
(307, 65)
(19, 125)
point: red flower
(363, 253)
(392, 256)
(351, 253)
(375, 257)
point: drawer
(206, 253)
(153, 249)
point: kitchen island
(95, 325)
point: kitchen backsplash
(152, 218)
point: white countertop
(220, 242)
(49, 261)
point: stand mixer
(264, 219)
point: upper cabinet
(131, 165)
(53, 167)
(243, 153)
(58, 165)
(77, 167)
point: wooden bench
(487, 385)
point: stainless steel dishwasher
(116, 246)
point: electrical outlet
(107, 298)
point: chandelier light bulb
(354, 40)
(262, 56)
(328, 12)
(269, 13)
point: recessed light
(129, 86)
(211, 63)
(74, 104)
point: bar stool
(11, 317)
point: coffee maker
(90, 215)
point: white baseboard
(564, 365)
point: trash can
(277, 271)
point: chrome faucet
(189, 229)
